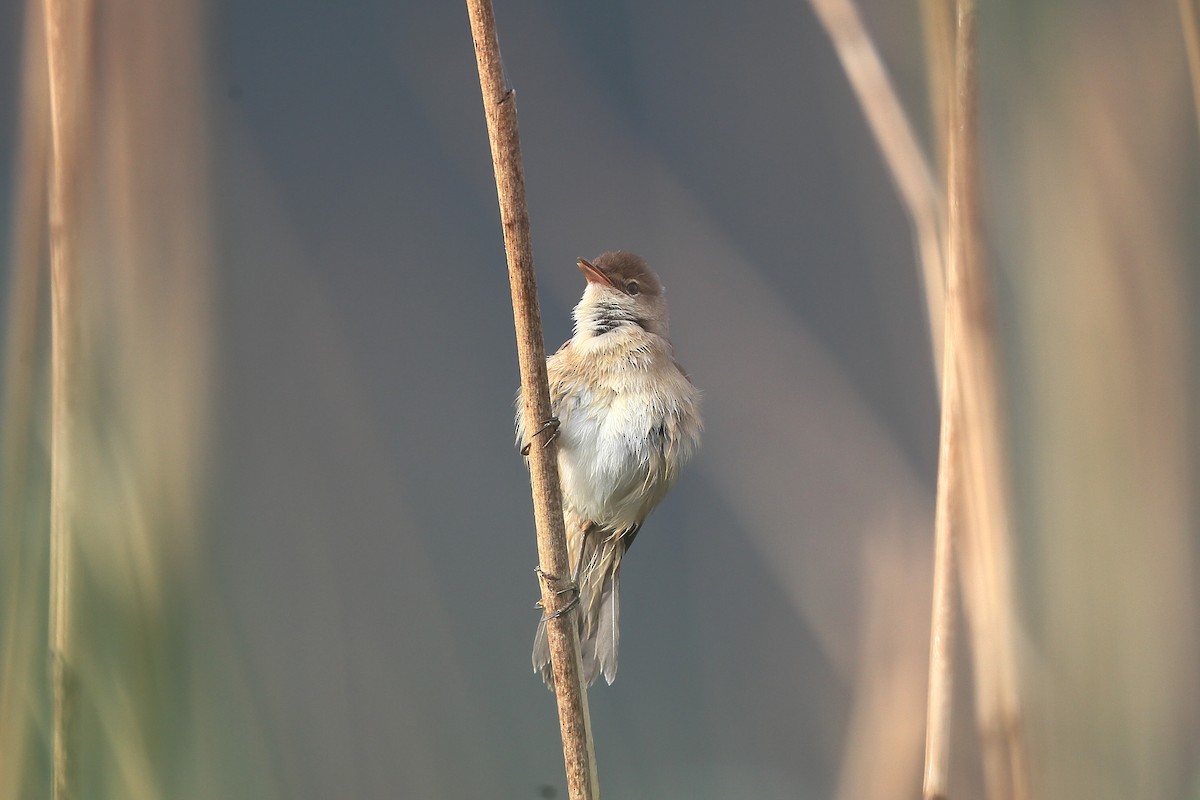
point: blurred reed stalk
(937, 23)
(947, 518)
(1189, 17)
(67, 35)
(499, 104)
(898, 144)
(917, 187)
(984, 551)
(972, 479)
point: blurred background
(304, 554)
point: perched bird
(627, 419)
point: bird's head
(621, 290)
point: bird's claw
(551, 425)
(570, 587)
(574, 601)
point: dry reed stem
(917, 187)
(947, 512)
(971, 446)
(937, 22)
(984, 554)
(902, 154)
(940, 701)
(1189, 17)
(499, 103)
(67, 34)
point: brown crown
(621, 267)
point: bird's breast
(623, 436)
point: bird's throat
(603, 318)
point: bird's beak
(592, 274)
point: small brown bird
(627, 419)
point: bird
(627, 418)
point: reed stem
(898, 143)
(940, 700)
(984, 551)
(66, 65)
(499, 104)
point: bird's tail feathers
(597, 574)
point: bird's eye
(632, 289)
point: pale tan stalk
(67, 34)
(940, 701)
(918, 189)
(937, 22)
(499, 104)
(984, 552)
(940, 704)
(901, 152)
(1189, 17)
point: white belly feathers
(618, 453)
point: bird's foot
(570, 586)
(550, 425)
(574, 601)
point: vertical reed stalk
(898, 144)
(940, 700)
(984, 555)
(66, 55)
(499, 104)
(937, 22)
(917, 187)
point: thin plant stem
(940, 700)
(499, 103)
(937, 22)
(1189, 17)
(984, 557)
(901, 152)
(67, 25)
(918, 190)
